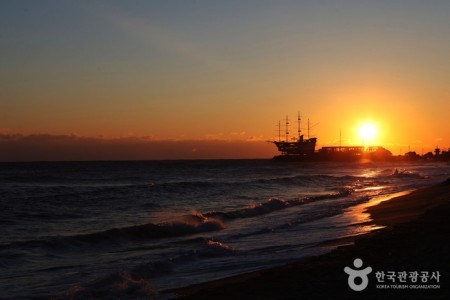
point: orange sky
(226, 71)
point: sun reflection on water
(358, 214)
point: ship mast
(298, 126)
(287, 129)
(308, 128)
(279, 131)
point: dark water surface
(138, 227)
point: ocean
(136, 228)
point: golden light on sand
(367, 131)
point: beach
(415, 239)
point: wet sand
(416, 238)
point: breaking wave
(273, 205)
(136, 282)
(189, 224)
(186, 225)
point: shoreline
(414, 239)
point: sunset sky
(215, 77)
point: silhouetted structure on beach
(304, 149)
(438, 155)
(299, 148)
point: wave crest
(272, 205)
(189, 224)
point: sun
(367, 132)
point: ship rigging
(300, 148)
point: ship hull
(337, 157)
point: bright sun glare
(368, 132)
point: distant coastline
(301, 148)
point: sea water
(101, 229)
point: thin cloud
(47, 147)
(150, 33)
(4, 130)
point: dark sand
(416, 239)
